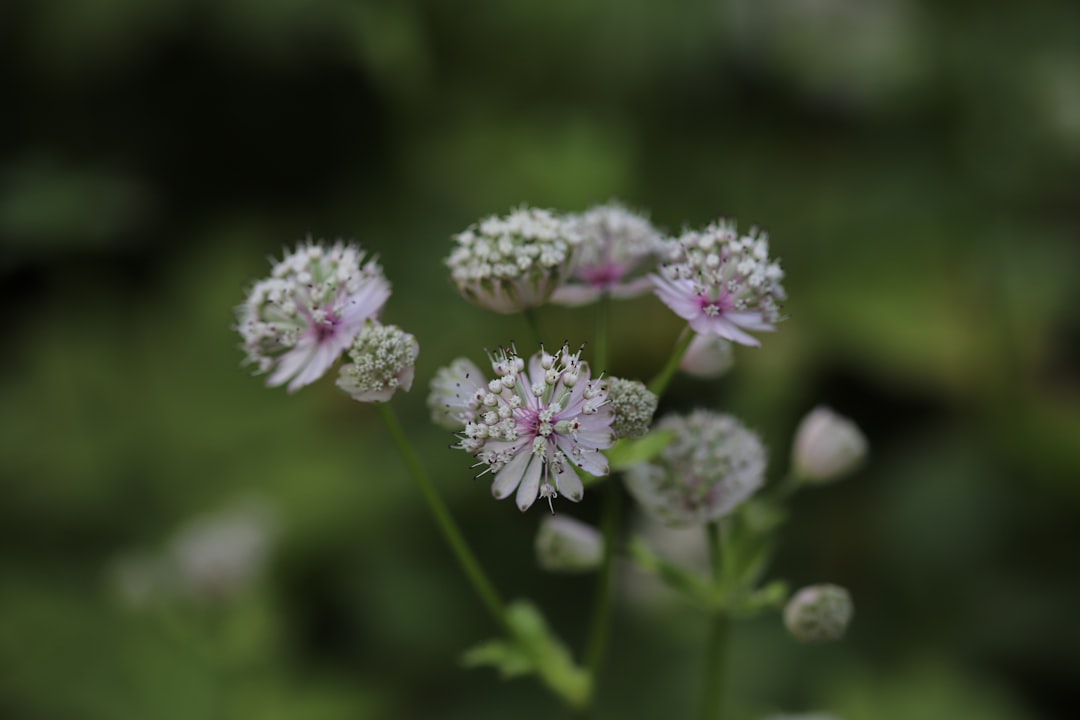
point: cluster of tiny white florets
(507, 264)
(712, 465)
(723, 284)
(615, 244)
(819, 613)
(382, 360)
(633, 406)
(297, 322)
(531, 427)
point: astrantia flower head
(507, 264)
(382, 360)
(297, 322)
(533, 427)
(721, 283)
(819, 613)
(633, 406)
(711, 466)
(615, 244)
(827, 447)
(457, 394)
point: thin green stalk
(600, 631)
(534, 324)
(603, 310)
(713, 695)
(469, 564)
(660, 382)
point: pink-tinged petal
(750, 321)
(681, 299)
(568, 483)
(291, 362)
(575, 295)
(723, 328)
(631, 288)
(507, 479)
(598, 439)
(320, 361)
(594, 463)
(405, 379)
(529, 489)
(365, 303)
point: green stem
(534, 325)
(603, 309)
(719, 628)
(605, 584)
(660, 382)
(469, 564)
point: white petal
(291, 362)
(530, 483)
(569, 484)
(575, 295)
(508, 478)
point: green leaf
(627, 453)
(686, 582)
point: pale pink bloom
(722, 284)
(296, 323)
(533, 430)
(617, 247)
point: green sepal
(627, 453)
(686, 582)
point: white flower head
(382, 360)
(721, 283)
(711, 466)
(616, 246)
(296, 323)
(564, 544)
(511, 263)
(633, 406)
(819, 613)
(457, 394)
(827, 447)
(707, 357)
(536, 426)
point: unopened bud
(827, 447)
(818, 613)
(567, 545)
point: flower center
(712, 307)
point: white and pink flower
(722, 284)
(296, 323)
(534, 430)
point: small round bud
(564, 544)
(827, 446)
(633, 406)
(818, 613)
(382, 359)
(708, 357)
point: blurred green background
(917, 165)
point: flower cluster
(712, 465)
(296, 323)
(383, 359)
(722, 284)
(532, 428)
(633, 406)
(511, 263)
(615, 243)
(819, 613)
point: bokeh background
(917, 165)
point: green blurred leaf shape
(627, 453)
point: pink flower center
(712, 307)
(603, 276)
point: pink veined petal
(681, 300)
(292, 361)
(595, 439)
(594, 463)
(575, 295)
(723, 328)
(576, 399)
(321, 360)
(529, 488)
(366, 303)
(750, 321)
(507, 479)
(568, 483)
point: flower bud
(707, 357)
(383, 359)
(818, 613)
(564, 544)
(633, 406)
(827, 446)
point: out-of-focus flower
(632, 405)
(382, 360)
(711, 466)
(564, 544)
(457, 394)
(511, 263)
(803, 716)
(722, 284)
(827, 446)
(615, 244)
(708, 357)
(819, 613)
(296, 323)
(531, 429)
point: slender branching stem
(719, 627)
(660, 382)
